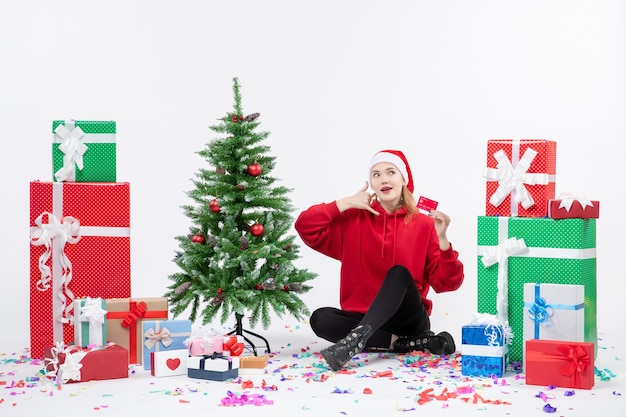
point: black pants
(396, 309)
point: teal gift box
(513, 251)
(84, 151)
(163, 335)
(90, 325)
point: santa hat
(398, 159)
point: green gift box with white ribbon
(90, 322)
(84, 151)
(513, 251)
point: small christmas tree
(238, 256)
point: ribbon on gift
(500, 254)
(128, 320)
(574, 357)
(137, 311)
(153, 337)
(567, 200)
(540, 311)
(93, 313)
(512, 178)
(73, 148)
(233, 346)
(70, 368)
(214, 356)
(490, 253)
(53, 236)
(495, 329)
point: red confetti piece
(367, 391)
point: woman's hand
(441, 226)
(360, 200)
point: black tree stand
(239, 331)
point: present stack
(84, 323)
(80, 235)
(536, 253)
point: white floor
(298, 382)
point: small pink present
(204, 342)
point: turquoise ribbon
(540, 311)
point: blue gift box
(483, 350)
(163, 335)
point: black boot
(341, 352)
(437, 344)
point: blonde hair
(408, 202)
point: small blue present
(484, 349)
(163, 335)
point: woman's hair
(408, 201)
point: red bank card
(426, 204)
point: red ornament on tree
(255, 169)
(239, 187)
(214, 205)
(198, 238)
(257, 229)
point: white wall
(334, 82)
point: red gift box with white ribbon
(520, 176)
(79, 247)
(569, 206)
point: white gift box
(554, 312)
(215, 367)
(169, 362)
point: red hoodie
(368, 246)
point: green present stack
(556, 252)
(519, 244)
(84, 151)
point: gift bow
(577, 360)
(67, 230)
(495, 329)
(73, 149)
(92, 312)
(153, 337)
(541, 311)
(513, 179)
(70, 368)
(137, 312)
(568, 199)
(233, 346)
(500, 254)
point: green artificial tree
(238, 257)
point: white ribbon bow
(60, 232)
(73, 149)
(70, 368)
(513, 179)
(500, 255)
(568, 199)
(152, 337)
(93, 313)
(495, 329)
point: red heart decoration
(173, 363)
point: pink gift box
(205, 346)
